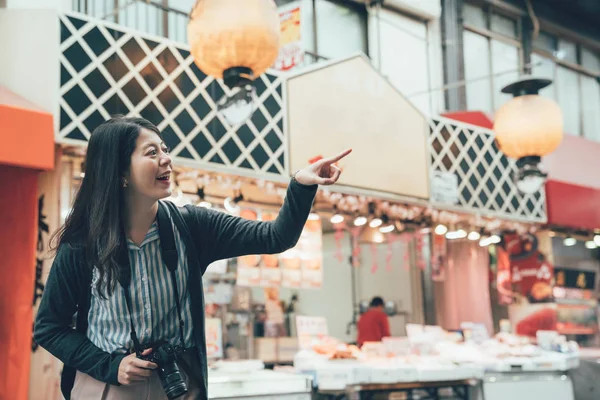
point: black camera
(165, 355)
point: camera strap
(170, 258)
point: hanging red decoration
(339, 235)
(391, 238)
(405, 239)
(355, 232)
(406, 264)
(374, 264)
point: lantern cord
(534, 20)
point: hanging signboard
(444, 187)
(571, 278)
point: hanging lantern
(235, 41)
(527, 128)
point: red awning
(27, 133)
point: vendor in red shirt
(373, 325)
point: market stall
(432, 361)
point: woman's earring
(125, 183)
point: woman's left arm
(226, 236)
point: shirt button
(147, 306)
(144, 279)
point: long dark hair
(96, 219)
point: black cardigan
(216, 236)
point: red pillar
(18, 216)
(27, 148)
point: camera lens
(176, 390)
(172, 381)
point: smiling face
(149, 175)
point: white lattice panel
(485, 175)
(107, 69)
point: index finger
(339, 156)
(144, 364)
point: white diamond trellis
(107, 69)
(485, 175)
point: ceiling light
(474, 235)
(360, 221)
(337, 219)
(441, 229)
(231, 205)
(375, 223)
(495, 239)
(387, 228)
(459, 234)
(205, 204)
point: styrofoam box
(448, 373)
(393, 374)
(335, 376)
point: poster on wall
(531, 276)
(527, 319)
(310, 249)
(291, 272)
(577, 317)
(531, 271)
(214, 338)
(270, 273)
(575, 290)
(310, 330)
(298, 267)
(291, 51)
(275, 322)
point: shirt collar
(151, 236)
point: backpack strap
(185, 224)
(167, 238)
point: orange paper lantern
(527, 128)
(528, 124)
(234, 34)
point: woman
(112, 274)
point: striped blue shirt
(154, 310)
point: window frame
(575, 67)
(431, 92)
(490, 35)
(557, 32)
